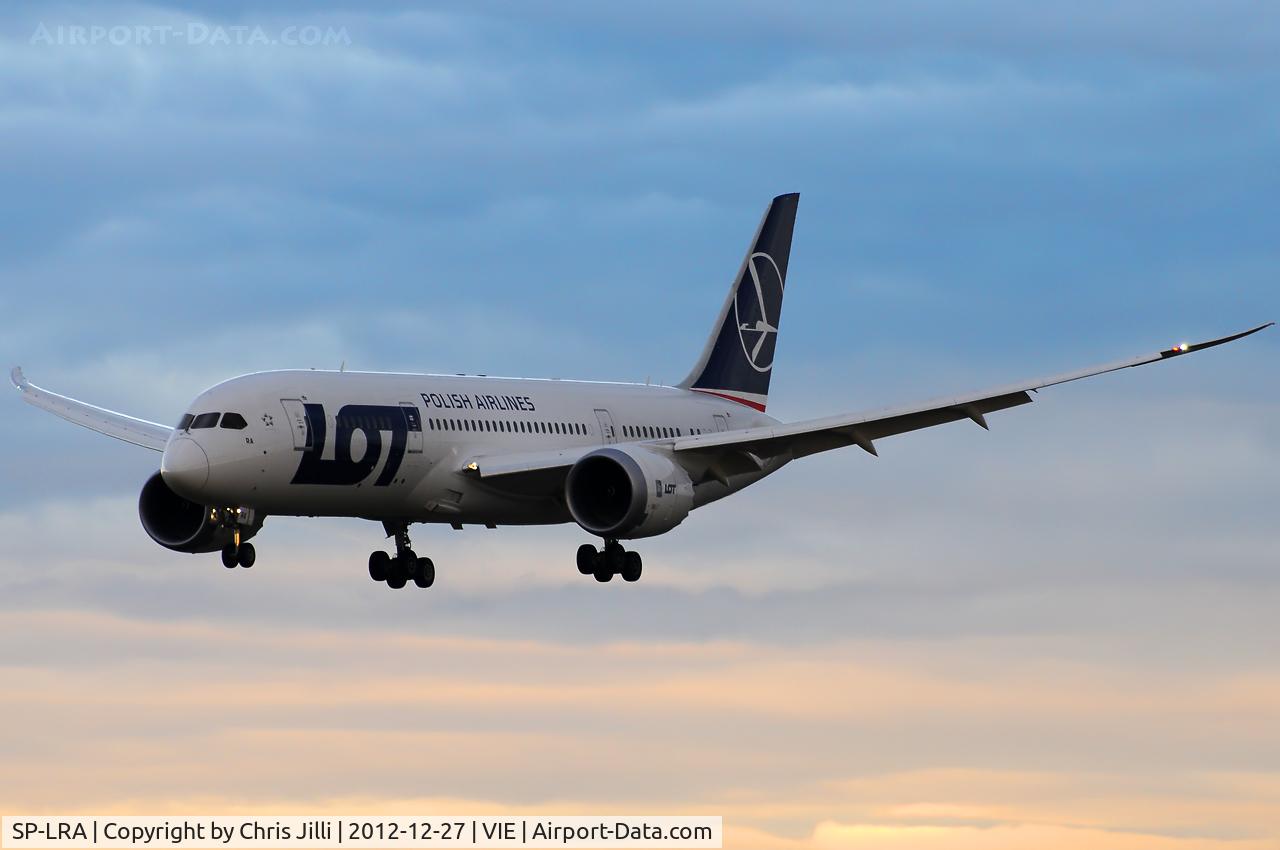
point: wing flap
(516, 463)
(140, 432)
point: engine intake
(628, 492)
(184, 526)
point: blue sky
(989, 191)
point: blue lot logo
(372, 420)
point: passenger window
(205, 420)
(185, 422)
(234, 422)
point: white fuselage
(396, 446)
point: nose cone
(185, 466)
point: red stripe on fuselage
(753, 404)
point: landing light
(1182, 347)
(472, 466)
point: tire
(587, 555)
(604, 568)
(398, 574)
(229, 556)
(424, 573)
(631, 566)
(247, 555)
(379, 565)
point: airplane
(624, 461)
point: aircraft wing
(543, 471)
(799, 439)
(140, 432)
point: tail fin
(738, 357)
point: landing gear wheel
(246, 556)
(604, 567)
(379, 565)
(587, 556)
(631, 566)
(398, 574)
(397, 571)
(424, 572)
(229, 556)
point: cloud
(263, 715)
(1058, 633)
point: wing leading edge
(799, 439)
(140, 432)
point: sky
(1061, 633)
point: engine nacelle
(628, 492)
(184, 526)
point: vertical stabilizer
(738, 357)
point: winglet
(19, 379)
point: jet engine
(184, 526)
(628, 492)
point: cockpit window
(234, 421)
(205, 420)
(185, 422)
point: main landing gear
(405, 566)
(613, 560)
(237, 554)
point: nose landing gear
(405, 566)
(241, 524)
(613, 560)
